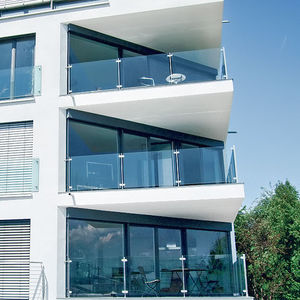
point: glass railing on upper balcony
(20, 82)
(145, 169)
(147, 70)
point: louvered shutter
(16, 157)
(14, 259)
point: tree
(269, 235)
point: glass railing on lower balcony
(169, 274)
(146, 169)
(20, 82)
(147, 70)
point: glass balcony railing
(137, 276)
(147, 71)
(20, 82)
(146, 169)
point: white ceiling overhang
(216, 202)
(201, 109)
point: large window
(16, 67)
(153, 258)
(96, 250)
(108, 157)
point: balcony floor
(165, 298)
(213, 202)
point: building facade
(113, 177)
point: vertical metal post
(12, 71)
(68, 262)
(245, 274)
(170, 55)
(43, 282)
(236, 178)
(178, 181)
(68, 163)
(69, 88)
(122, 184)
(183, 291)
(125, 291)
(224, 63)
(119, 85)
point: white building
(113, 120)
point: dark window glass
(142, 259)
(95, 159)
(209, 258)
(200, 165)
(96, 250)
(16, 67)
(148, 161)
(94, 65)
(169, 252)
(24, 64)
(5, 69)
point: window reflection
(95, 249)
(209, 257)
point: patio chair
(150, 285)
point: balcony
(148, 169)
(141, 71)
(139, 259)
(20, 82)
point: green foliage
(269, 235)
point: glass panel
(5, 72)
(96, 250)
(169, 252)
(23, 82)
(142, 261)
(136, 164)
(195, 66)
(150, 168)
(151, 70)
(94, 75)
(24, 67)
(201, 165)
(209, 262)
(94, 65)
(95, 159)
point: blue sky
(262, 43)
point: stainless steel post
(183, 291)
(125, 291)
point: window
(16, 67)
(15, 259)
(16, 163)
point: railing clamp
(119, 86)
(118, 60)
(176, 152)
(122, 184)
(68, 261)
(68, 159)
(121, 155)
(69, 67)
